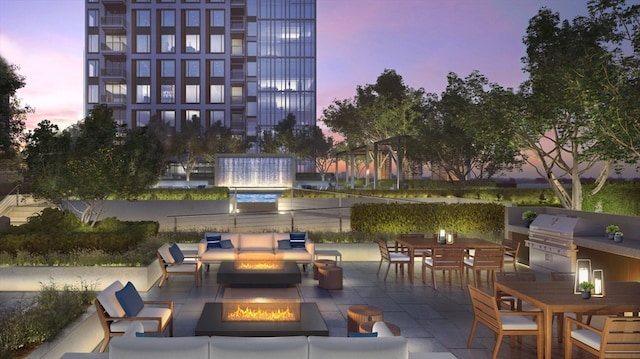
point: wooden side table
(321, 263)
(367, 327)
(330, 277)
(360, 313)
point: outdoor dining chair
(391, 257)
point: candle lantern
(583, 274)
(598, 283)
(450, 238)
(442, 237)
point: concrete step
(19, 214)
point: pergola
(392, 146)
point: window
(143, 68)
(217, 94)
(217, 116)
(252, 69)
(252, 28)
(236, 95)
(92, 94)
(143, 18)
(252, 109)
(142, 44)
(192, 68)
(192, 114)
(168, 68)
(143, 94)
(192, 18)
(168, 43)
(236, 47)
(168, 94)
(168, 18)
(192, 94)
(217, 44)
(252, 48)
(115, 92)
(252, 88)
(116, 43)
(168, 117)
(217, 68)
(142, 118)
(193, 43)
(93, 67)
(217, 18)
(92, 44)
(93, 18)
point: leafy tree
(12, 113)
(220, 139)
(317, 147)
(90, 161)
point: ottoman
(360, 313)
(321, 263)
(330, 277)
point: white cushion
(294, 254)
(182, 268)
(468, 261)
(148, 325)
(133, 329)
(588, 337)
(293, 347)
(382, 329)
(346, 347)
(107, 298)
(518, 322)
(218, 254)
(257, 240)
(165, 254)
(159, 348)
(399, 257)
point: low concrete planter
(354, 252)
(28, 279)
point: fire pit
(260, 311)
(259, 274)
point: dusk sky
(422, 40)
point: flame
(261, 315)
(257, 265)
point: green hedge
(181, 194)
(427, 217)
(615, 197)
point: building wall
(246, 63)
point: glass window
(237, 47)
(167, 18)
(217, 44)
(192, 94)
(93, 18)
(142, 44)
(168, 94)
(92, 44)
(193, 43)
(192, 114)
(217, 68)
(192, 18)
(115, 92)
(236, 94)
(217, 116)
(168, 68)
(168, 117)
(92, 94)
(217, 18)
(192, 68)
(116, 42)
(143, 93)
(252, 109)
(217, 94)
(168, 43)
(252, 28)
(252, 69)
(252, 48)
(142, 118)
(143, 68)
(252, 88)
(93, 68)
(143, 18)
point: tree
(317, 147)
(570, 67)
(220, 139)
(90, 161)
(12, 113)
(189, 145)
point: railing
(10, 200)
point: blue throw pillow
(176, 253)
(297, 240)
(213, 242)
(226, 244)
(284, 244)
(130, 300)
(363, 335)
(139, 335)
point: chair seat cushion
(587, 337)
(149, 326)
(182, 268)
(399, 257)
(518, 322)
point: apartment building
(246, 63)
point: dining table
(558, 297)
(412, 243)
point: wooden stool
(321, 263)
(367, 327)
(330, 277)
(360, 313)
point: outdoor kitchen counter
(628, 247)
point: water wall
(254, 171)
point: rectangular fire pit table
(264, 274)
(310, 323)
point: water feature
(254, 171)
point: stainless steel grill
(550, 243)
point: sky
(422, 40)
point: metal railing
(10, 200)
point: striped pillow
(297, 240)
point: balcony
(114, 24)
(237, 102)
(112, 99)
(114, 49)
(238, 3)
(111, 74)
(237, 25)
(237, 76)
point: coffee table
(310, 323)
(230, 274)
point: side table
(360, 313)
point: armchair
(619, 338)
(173, 262)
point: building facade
(245, 63)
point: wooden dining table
(558, 297)
(411, 243)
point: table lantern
(598, 283)
(583, 274)
(442, 237)
(450, 238)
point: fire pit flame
(258, 265)
(261, 315)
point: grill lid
(564, 226)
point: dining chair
(511, 249)
(619, 337)
(419, 252)
(446, 259)
(391, 257)
(504, 323)
(489, 259)
(504, 298)
(564, 277)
